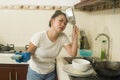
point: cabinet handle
(10, 76)
(16, 74)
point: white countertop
(6, 59)
(61, 74)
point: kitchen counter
(10, 69)
(5, 58)
(61, 74)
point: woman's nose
(63, 24)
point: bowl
(81, 64)
(85, 52)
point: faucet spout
(103, 34)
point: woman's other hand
(72, 48)
(75, 33)
(24, 56)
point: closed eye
(62, 21)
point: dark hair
(57, 13)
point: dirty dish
(81, 64)
(68, 68)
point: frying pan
(107, 68)
(70, 16)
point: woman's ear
(52, 20)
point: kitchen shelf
(94, 5)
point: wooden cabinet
(6, 74)
(13, 71)
(94, 5)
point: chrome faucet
(103, 34)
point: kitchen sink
(92, 77)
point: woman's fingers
(76, 30)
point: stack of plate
(68, 68)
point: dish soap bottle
(103, 50)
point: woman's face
(59, 23)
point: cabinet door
(6, 73)
(20, 73)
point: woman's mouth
(61, 28)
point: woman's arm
(31, 48)
(72, 48)
(25, 56)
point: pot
(8, 47)
(107, 68)
(1, 46)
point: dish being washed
(68, 68)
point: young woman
(45, 46)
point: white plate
(71, 71)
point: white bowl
(81, 64)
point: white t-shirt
(43, 60)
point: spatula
(70, 16)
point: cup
(81, 64)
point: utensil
(107, 68)
(70, 16)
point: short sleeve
(35, 39)
(66, 40)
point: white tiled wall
(17, 26)
(40, 2)
(106, 21)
